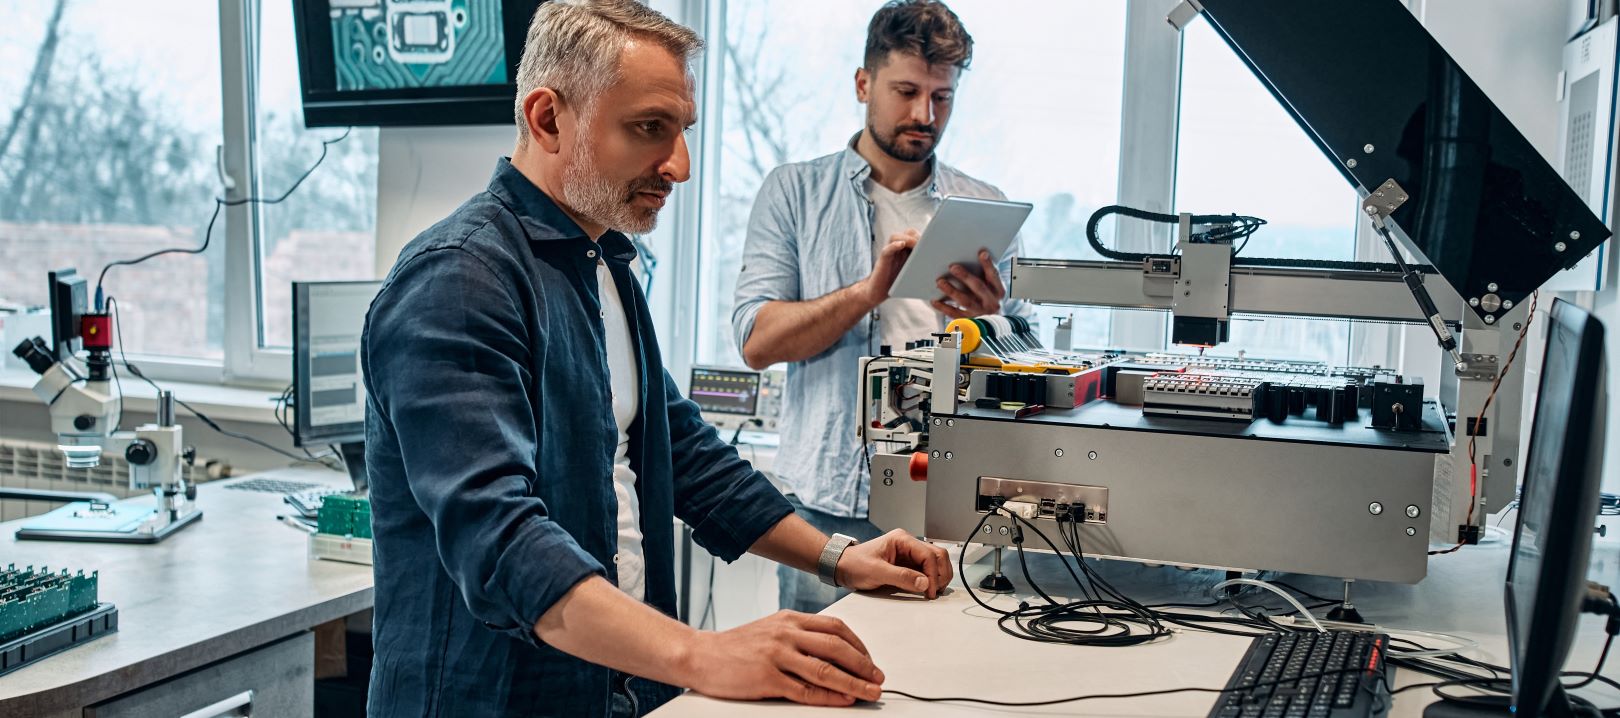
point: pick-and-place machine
(1239, 463)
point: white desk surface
(951, 646)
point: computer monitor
(329, 395)
(725, 391)
(1558, 506)
(409, 62)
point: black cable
(1595, 671)
(1323, 264)
(123, 358)
(220, 203)
(1100, 696)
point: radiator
(35, 465)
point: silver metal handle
(240, 704)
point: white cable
(1460, 644)
(1266, 585)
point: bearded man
(527, 451)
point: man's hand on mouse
(875, 287)
(808, 659)
(968, 294)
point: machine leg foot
(996, 582)
(1346, 612)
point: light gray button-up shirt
(810, 233)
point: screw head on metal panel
(1507, 304)
(1367, 149)
(888, 481)
(1472, 302)
(935, 454)
(987, 528)
(1518, 326)
(947, 455)
(1490, 287)
(1058, 453)
(1559, 247)
(1412, 511)
(950, 422)
(1490, 319)
(1352, 165)
(1091, 455)
(1375, 508)
(1411, 531)
(888, 473)
(1574, 235)
(938, 421)
(1003, 531)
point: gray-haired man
(528, 452)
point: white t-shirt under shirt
(902, 320)
(626, 384)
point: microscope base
(66, 524)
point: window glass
(109, 120)
(326, 230)
(1037, 115)
(1240, 152)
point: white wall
(425, 172)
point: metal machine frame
(1481, 232)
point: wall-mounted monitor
(409, 62)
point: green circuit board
(31, 599)
(345, 516)
(397, 44)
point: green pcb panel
(31, 599)
(345, 516)
(397, 44)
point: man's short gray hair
(573, 47)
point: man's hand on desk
(895, 560)
(968, 294)
(808, 659)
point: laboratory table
(208, 617)
(953, 647)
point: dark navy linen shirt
(490, 440)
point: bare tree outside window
(107, 154)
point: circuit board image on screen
(397, 44)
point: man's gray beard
(596, 198)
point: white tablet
(961, 227)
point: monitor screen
(1557, 507)
(725, 391)
(410, 62)
(329, 394)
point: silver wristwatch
(827, 566)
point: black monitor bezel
(1538, 661)
(326, 106)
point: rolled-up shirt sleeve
(770, 262)
(446, 361)
(727, 502)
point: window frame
(244, 362)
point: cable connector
(1025, 509)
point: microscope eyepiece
(36, 354)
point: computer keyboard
(1269, 682)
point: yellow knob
(970, 333)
